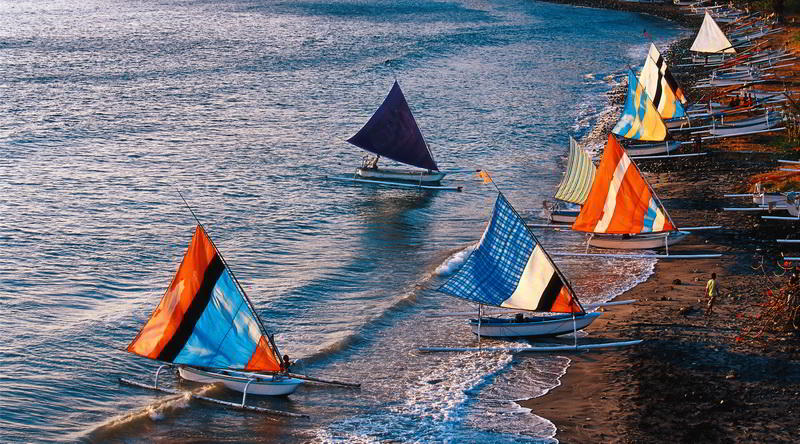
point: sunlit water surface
(108, 108)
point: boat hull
(646, 149)
(540, 326)
(564, 216)
(636, 242)
(410, 176)
(265, 385)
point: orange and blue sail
(204, 319)
(621, 201)
(510, 269)
(640, 119)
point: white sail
(711, 39)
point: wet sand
(695, 378)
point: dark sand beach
(721, 378)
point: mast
(260, 323)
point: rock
(676, 282)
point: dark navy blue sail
(392, 132)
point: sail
(621, 201)
(509, 268)
(658, 88)
(578, 179)
(640, 119)
(392, 132)
(662, 67)
(711, 39)
(204, 319)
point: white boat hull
(636, 242)
(652, 148)
(411, 176)
(564, 216)
(540, 326)
(266, 385)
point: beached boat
(393, 133)
(622, 211)
(574, 186)
(206, 324)
(531, 326)
(510, 269)
(664, 91)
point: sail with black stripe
(511, 269)
(205, 319)
(666, 73)
(657, 86)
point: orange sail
(621, 201)
(204, 319)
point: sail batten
(392, 132)
(204, 318)
(711, 39)
(577, 181)
(510, 269)
(640, 119)
(621, 201)
(661, 86)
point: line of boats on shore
(208, 330)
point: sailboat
(622, 210)
(575, 185)
(511, 269)
(207, 326)
(393, 133)
(641, 121)
(663, 89)
(711, 40)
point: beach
(695, 378)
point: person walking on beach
(712, 290)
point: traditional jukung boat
(641, 121)
(622, 211)
(667, 96)
(393, 133)
(510, 269)
(207, 326)
(711, 40)
(574, 186)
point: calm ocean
(109, 107)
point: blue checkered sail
(509, 268)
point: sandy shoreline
(694, 379)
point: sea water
(109, 108)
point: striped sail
(509, 268)
(204, 319)
(578, 179)
(711, 39)
(662, 67)
(659, 89)
(621, 201)
(640, 120)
